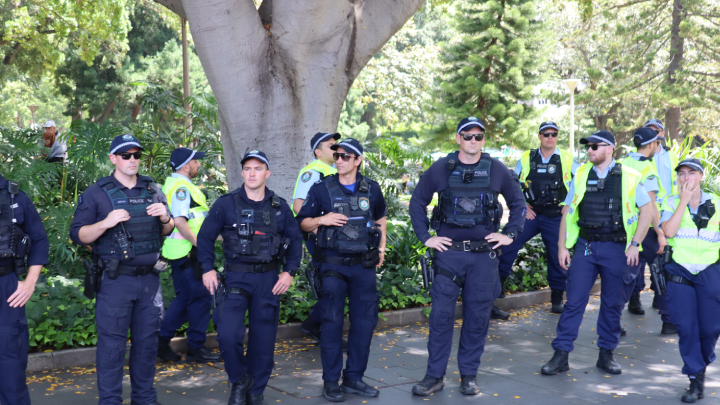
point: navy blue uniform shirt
(224, 213)
(94, 206)
(435, 179)
(28, 219)
(318, 202)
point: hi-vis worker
(545, 174)
(604, 224)
(323, 165)
(690, 221)
(189, 207)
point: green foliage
(529, 272)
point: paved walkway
(509, 373)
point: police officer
(690, 221)
(258, 228)
(124, 216)
(467, 221)
(23, 247)
(321, 167)
(188, 206)
(603, 223)
(347, 211)
(545, 174)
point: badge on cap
(472, 119)
(364, 203)
(127, 137)
(254, 152)
(349, 140)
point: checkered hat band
(322, 139)
(258, 157)
(470, 123)
(546, 126)
(601, 139)
(647, 142)
(347, 145)
(657, 123)
(693, 165)
(186, 162)
(112, 152)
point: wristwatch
(634, 243)
(511, 235)
(293, 273)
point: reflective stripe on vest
(318, 166)
(646, 169)
(175, 245)
(630, 211)
(566, 159)
(694, 249)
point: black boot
(695, 392)
(655, 301)
(635, 306)
(558, 363)
(166, 352)
(310, 329)
(255, 399)
(359, 388)
(498, 313)
(668, 329)
(556, 298)
(428, 385)
(468, 385)
(623, 332)
(238, 394)
(608, 363)
(502, 287)
(202, 355)
(332, 391)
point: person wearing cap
(605, 219)
(323, 165)
(646, 142)
(123, 217)
(690, 221)
(191, 304)
(348, 213)
(467, 241)
(58, 148)
(545, 174)
(260, 237)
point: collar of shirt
(607, 170)
(180, 176)
(323, 163)
(244, 196)
(358, 178)
(705, 196)
(636, 155)
(121, 186)
(555, 152)
(662, 152)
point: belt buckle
(466, 246)
(347, 261)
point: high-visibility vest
(646, 169)
(175, 245)
(566, 160)
(673, 174)
(630, 212)
(305, 173)
(694, 249)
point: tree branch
(176, 6)
(8, 60)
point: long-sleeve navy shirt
(435, 179)
(28, 219)
(224, 213)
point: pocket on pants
(269, 310)
(118, 317)
(328, 306)
(370, 303)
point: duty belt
(475, 246)
(550, 212)
(253, 268)
(607, 237)
(678, 280)
(7, 269)
(343, 261)
(135, 270)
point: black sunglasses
(345, 156)
(595, 146)
(549, 134)
(469, 137)
(126, 155)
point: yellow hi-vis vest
(673, 174)
(694, 249)
(647, 169)
(175, 245)
(566, 160)
(317, 165)
(630, 211)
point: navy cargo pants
(192, 304)
(135, 303)
(14, 345)
(229, 318)
(695, 311)
(361, 288)
(479, 270)
(647, 256)
(618, 279)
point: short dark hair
(637, 141)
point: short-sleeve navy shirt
(28, 219)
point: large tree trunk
(673, 114)
(281, 73)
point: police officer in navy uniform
(467, 221)
(23, 247)
(124, 216)
(259, 234)
(347, 211)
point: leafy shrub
(530, 269)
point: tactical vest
(142, 233)
(697, 241)
(546, 182)
(359, 233)
(14, 243)
(175, 245)
(601, 208)
(468, 200)
(254, 238)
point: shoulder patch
(181, 194)
(650, 177)
(306, 177)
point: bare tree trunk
(673, 114)
(77, 115)
(281, 73)
(109, 107)
(137, 108)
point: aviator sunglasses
(126, 155)
(345, 156)
(469, 137)
(549, 134)
(595, 146)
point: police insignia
(650, 177)
(472, 119)
(181, 194)
(254, 152)
(551, 169)
(127, 137)
(364, 203)
(305, 177)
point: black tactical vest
(359, 233)
(601, 207)
(705, 211)
(14, 243)
(546, 181)
(254, 238)
(468, 200)
(142, 233)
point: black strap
(333, 273)
(135, 270)
(253, 267)
(7, 269)
(454, 278)
(238, 291)
(678, 280)
(343, 261)
(607, 237)
(471, 246)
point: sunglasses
(595, 146)
(126, 155)
(549, 134)
(345, 156)
(469, 137)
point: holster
(194, 264)
(436, 218)
(428, 269)
(112, 268)
(370, 258)
(93, 276)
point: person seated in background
(56, 153)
